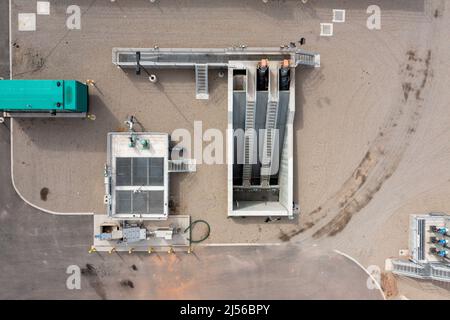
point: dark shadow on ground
(94, 132)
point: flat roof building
(138, 175)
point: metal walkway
(203, 59)
(271, 124)
(249, 142)
(214, 58)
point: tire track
(386, 151)
(381, 159)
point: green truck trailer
(51, 97)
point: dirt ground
(371, 126)
(394, 118)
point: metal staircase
(440, 273)
(307, 59)
(427, 271)
(249, 140)
(269, 137)
(410, 269)
(271, 125)
(201, 81)
(182, 165)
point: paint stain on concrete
(44, 193)
(127, 283)
(94, 280)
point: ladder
(201, 81)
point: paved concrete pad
(37, 248)
(334, 124)
(67, 156)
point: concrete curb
(29, 202)
(240, 244)
(365, 270)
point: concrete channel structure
(261, 108)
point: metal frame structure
(214, 58)
(202, 59)
(423, 264)
(243, 58)
(424, 271)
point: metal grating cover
(123, 201)
(139, 171)
(139, 202)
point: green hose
(190, 231)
